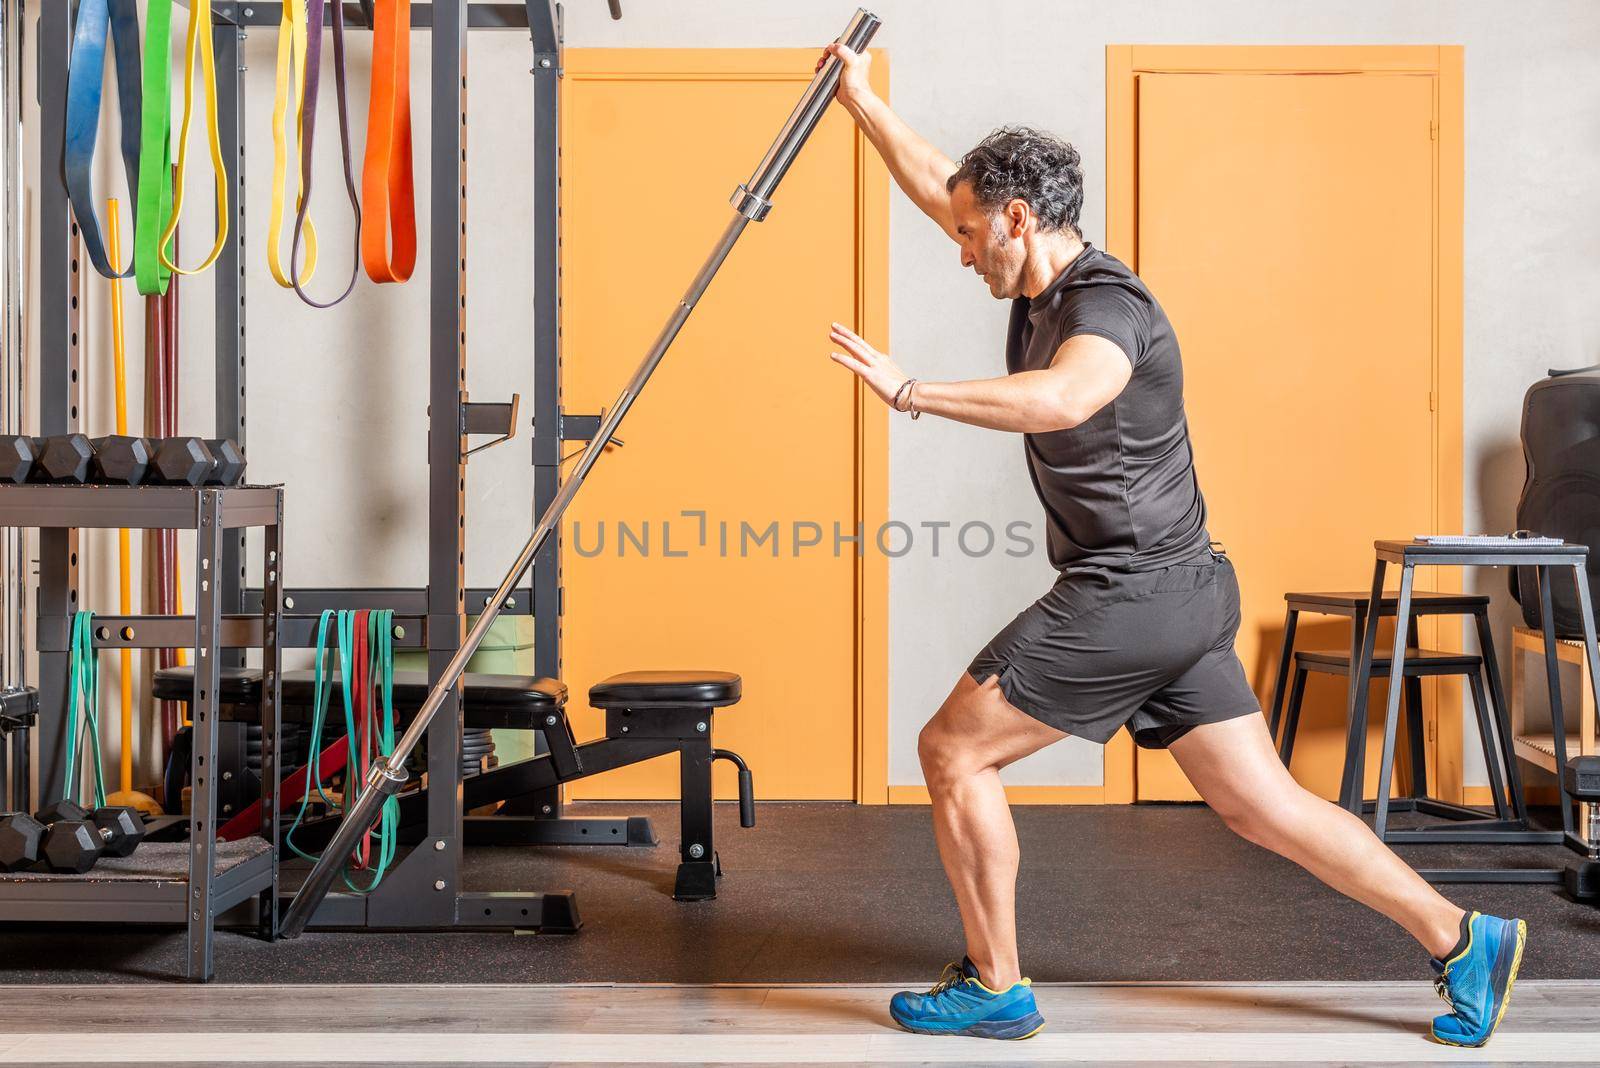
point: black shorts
(1149, 650)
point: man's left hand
(881, 374)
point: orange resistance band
(387, 189)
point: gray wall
(323, 383)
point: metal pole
(751, 203)
(13, 376)
(13, 670)
(58, 301)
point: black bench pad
(517, 702)
(666, 689)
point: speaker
(1561, 494)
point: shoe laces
(1441, 986)
(951, 977)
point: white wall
(330, 380)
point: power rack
(424, 889)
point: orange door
(1287, 224)
(707, 541)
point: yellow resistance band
(291, 63)
(199, 32)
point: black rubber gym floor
(846, 894)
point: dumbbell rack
(194, 881)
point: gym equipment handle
(747, 786)
(387, 777)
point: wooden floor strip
(1141, 1023)
(1527, 1047)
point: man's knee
(940, 753)
(1248, 823)
(1258, 818)
(946, 745)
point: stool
(1410, 555)
(1355, 606)
(646, 707)
(1418, 664)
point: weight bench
(648, 714)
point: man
(1138, 629)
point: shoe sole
(1505, 1001)
(1007, 1031)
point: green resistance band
(319, 711)
(153, 203)
(83, 691)
(380, 645)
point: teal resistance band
(381, 658)
(83, 692)
(319, 710)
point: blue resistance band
(97, 20)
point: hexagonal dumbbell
(16, 458)
(229, 469)
(20, 835)
(182, 462)
(74, 845)
(62, 458)
(121, 460)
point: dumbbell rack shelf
(188, 882)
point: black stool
(1409, 555)
(1355, 607)
(1418, 664)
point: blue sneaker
(1476, 982)
(959, 1004)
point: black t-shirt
(1118, 490)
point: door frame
(1442, 63)
(871, 598)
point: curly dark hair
(1021, 163)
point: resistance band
(160, 190)
(366, 652)
(83, 692)
(351, 668)
(98, 19)
(387, 187)
(153, 203)
(292, 31)
(308, 129)
(198, 43)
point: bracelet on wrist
(894, 402)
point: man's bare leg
(1236, 770)
(975, 733)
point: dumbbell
(1582, 780)
(20, 835)
(16, 458)
(62, 458)
(121, 460)
(182, 462)
(229, 470)
(74, 839)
